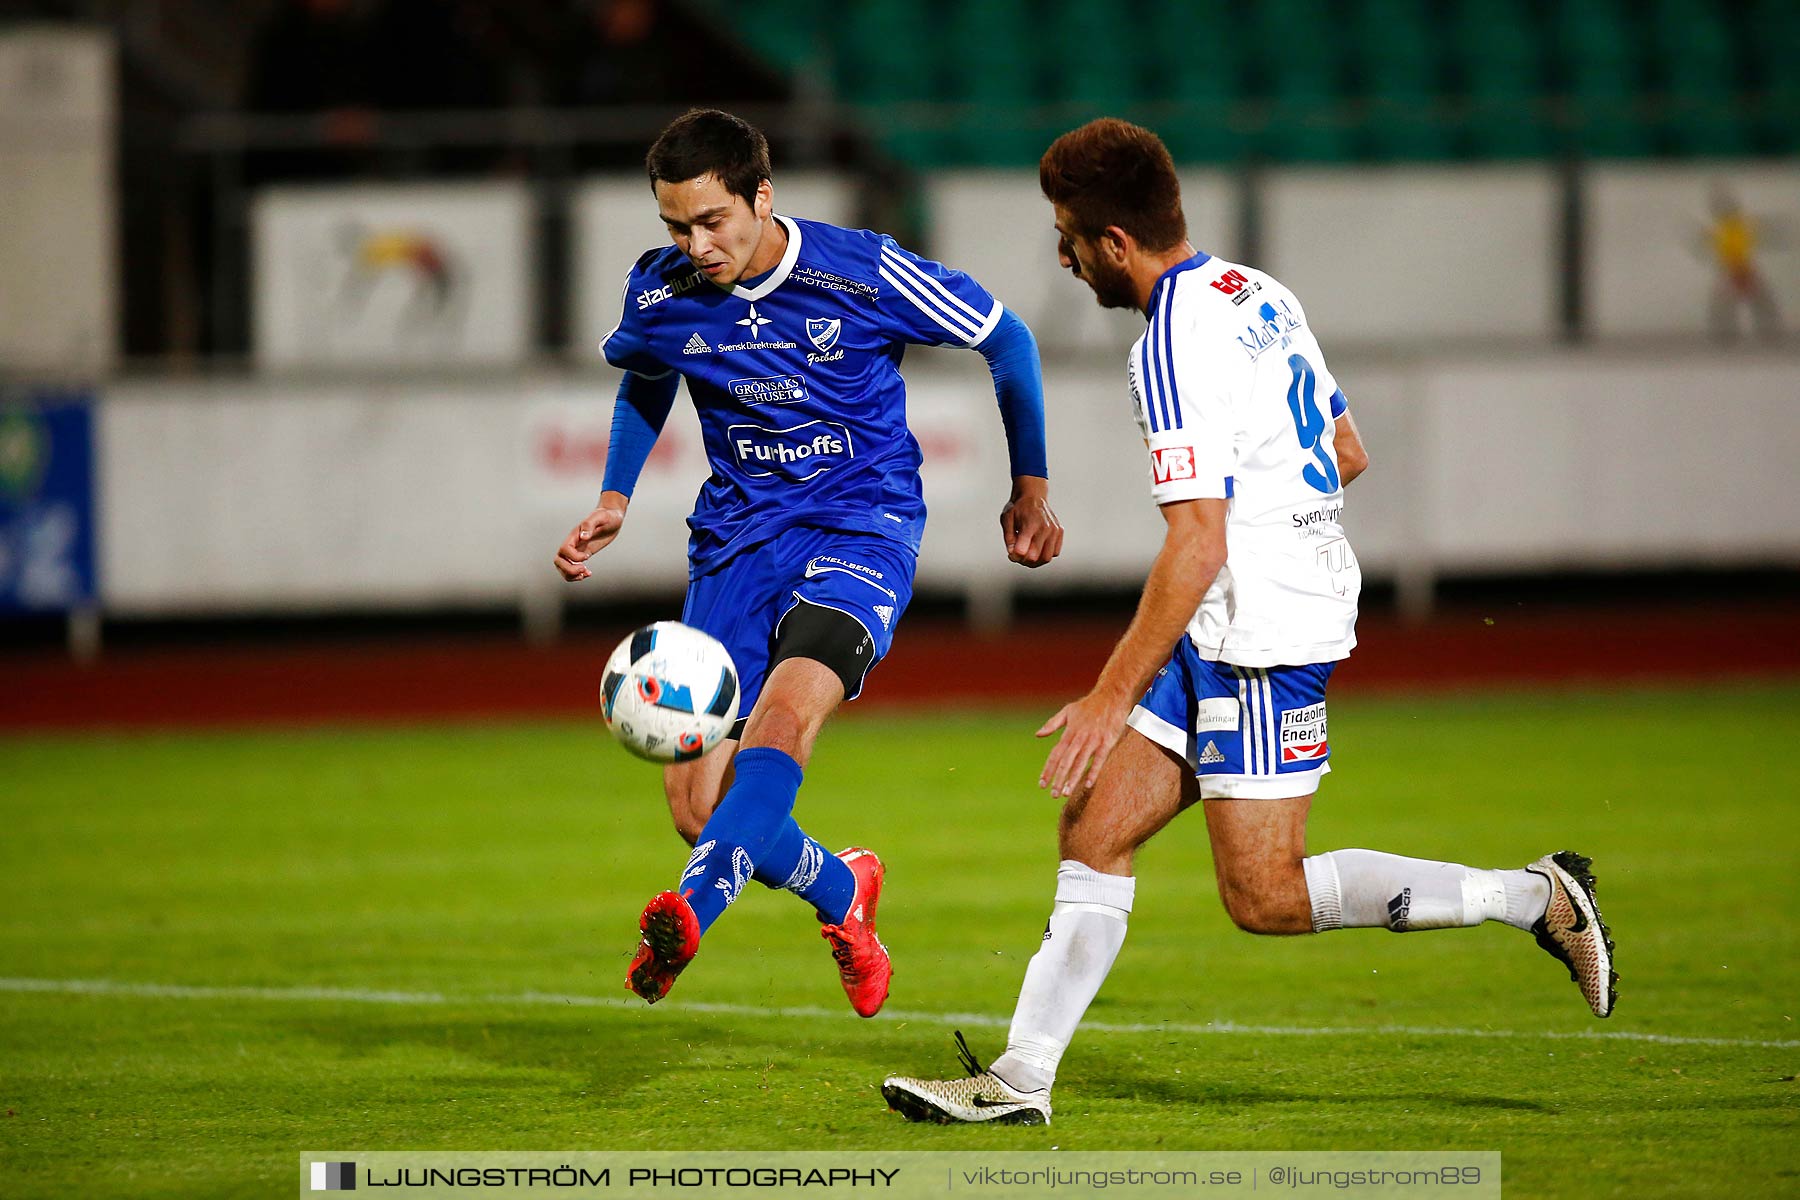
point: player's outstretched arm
(1192, 552)
(595, 533)
(642, 406)
(1030, 530)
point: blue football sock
(798, 864)
(740, 831)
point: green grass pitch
(301, 891)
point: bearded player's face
(718, 231)
(1085, 259)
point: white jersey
(1235, 402)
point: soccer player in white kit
(1216, 691)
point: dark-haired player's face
(719, 232)
(1087, 261)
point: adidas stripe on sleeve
(1183, 410)
(929, 304)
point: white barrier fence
(408, 275)
(261, 495)
(58, 193)
(438, 274)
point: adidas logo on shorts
(1210, 754)
(886, 613)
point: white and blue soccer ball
(669, 692)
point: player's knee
(1250, 912)
(784, 725)
(1082, 837)
(1261, 910)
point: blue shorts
(1249, 733)
(866, 577)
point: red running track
(1040, 663)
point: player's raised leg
(794, 862)
(843, 889)
(1270, 886)
(1141, 788)
(778, 739)
(835, 622)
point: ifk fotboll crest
(823, 333)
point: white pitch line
(172, 991)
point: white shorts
(1247, 733)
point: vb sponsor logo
(1171, 463)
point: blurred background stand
(338, 269)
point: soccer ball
(669, 693)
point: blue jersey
(796, 377)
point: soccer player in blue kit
(789, 334)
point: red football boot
(862, 960)
(671, 939)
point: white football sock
(1360, 889)
(1086, 929)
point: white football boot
(983, 1096)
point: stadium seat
(1304, 80)
(1395, 69)
(1297, 51)
(1692, 49)
(1495, 62)
(903, 70)
(1772, 40)
(989, 53)
(789, 33)
(1198, 71)
(1601, 63)
(1092, 59)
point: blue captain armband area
(642, 406)
(1012, 357)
